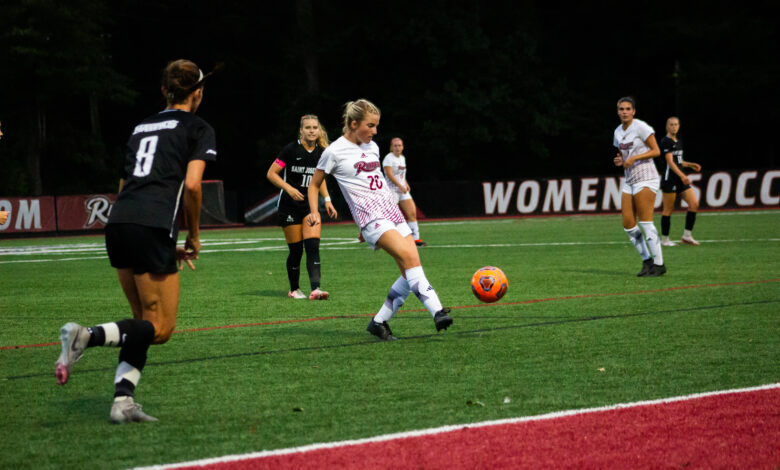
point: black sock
(97, 336)
(136, 337)
(294, 264)
(124, 388)
(690, 219)
(666, 225)
(313, 261)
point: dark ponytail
(181, 77)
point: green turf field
(576, 329)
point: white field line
(328, 244)
(456, 427)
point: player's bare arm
(392, 177)
(193, 197)
(276, 180)
(693, 166)
(652, 153)
(676, 169)
(332, 212)
(314, 187)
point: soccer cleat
(442, 320)
(380, 330)
(647, 265)
(420, 243)
(74, 339)
(389, 331)
(657, 270)
(296, 294)
(668, 243)
(689, 241)
(125, 410)
(318, 294)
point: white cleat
(690, 241)
(74, 339)
(296, 294)
(125, 410)
(668, 243)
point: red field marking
(735, 429)
(523, 302)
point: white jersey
(357, 170)
(631, 141)
(398, 165)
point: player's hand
(295, 194)
(628, 162)
(360, 237)
(183, 256)
(408, 188)
(618, 160)
(313, 218)
(685, 180)
(332, 213)
(694, 166)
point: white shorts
(398, 197)
(632, 189)
(376, 228)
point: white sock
(128, 372)
(112, 334)
(638, 240)
(651, 236)
(415, 230)
(395, 298)
(423, 289)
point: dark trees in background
(478, 90)
(56, 73)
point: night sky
(478, 90)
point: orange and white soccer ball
(489, 284)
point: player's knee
(162, 333)
(693, 205)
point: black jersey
(155, 165)
(668, 145)
(299, 165)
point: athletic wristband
(327, 198)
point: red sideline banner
(718, 190)
(32, 214)
(84, 212)
(50, 214)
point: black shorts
(292, 213)
(673, 184)
(140, 248)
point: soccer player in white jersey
(635, 141)
(353, 159)
(394, 165)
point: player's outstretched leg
(74, 339)
(419, 284)
(126, 410)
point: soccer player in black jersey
(161, 181)
(674, 181)
(299, 160)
